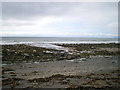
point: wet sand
(76, 71)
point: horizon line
(51, 37)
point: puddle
(77, 60)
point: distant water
(14, 40)
(50, 41)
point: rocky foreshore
(83, 66)
(25, 53)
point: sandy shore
(86, 71)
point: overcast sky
(60, 19)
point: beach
(60, 45)
(72, 66)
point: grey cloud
(24, 10)
(67, 17)
(16, 24)
(28, 9)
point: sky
(60, 19)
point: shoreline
(59, 43)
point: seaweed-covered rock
(25, 53)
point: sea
(50, 42)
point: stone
(34, 50)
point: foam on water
(50, 42)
